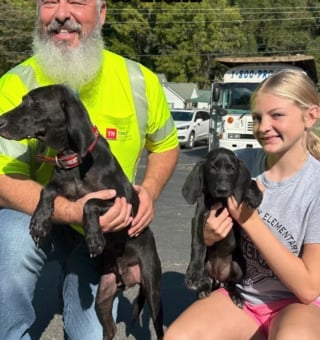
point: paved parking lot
(171, 227)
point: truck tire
(190, 142)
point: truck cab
(233, 93)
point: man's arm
(19, 193)
(22, 194)
(160, 167)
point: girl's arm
(300, 275)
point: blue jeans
(21, 262)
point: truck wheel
(190, 142)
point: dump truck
(231, 124)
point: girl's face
(278, 124)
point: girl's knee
(174, 333)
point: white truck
(231, 124)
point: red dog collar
(69, 161)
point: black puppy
(84, 163)
(213, 179)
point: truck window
(236, 96)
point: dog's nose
(223, 189)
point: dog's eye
(230, 168)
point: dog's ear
(78, 123)
(243, 182)
(193, 185)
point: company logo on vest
(111, 133)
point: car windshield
(182, 115)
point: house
(184, 95)
(203, 99)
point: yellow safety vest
(125, 101)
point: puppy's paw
(207, 285)
(95, 243)
(193, 279)
(197, 280)
(39, 229)
(235, 296)
(238, 300)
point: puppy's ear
(77, 120)
(243, 182)
(193, 185)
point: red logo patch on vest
(111, 133)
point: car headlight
(234, 135)
(183, 127)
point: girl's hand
(218, 225)
(240, 212)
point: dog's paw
(193, 279)
(238, 300)
(206, 287)
(95, 243)
(236, 297)
(197, 280)
(203, 293)
(39, 229)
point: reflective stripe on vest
(137, 84)
(28, 78)
(139, 95)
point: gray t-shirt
(291, 210)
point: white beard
(72, 66)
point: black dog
(213, 179)
(84, 163)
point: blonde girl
(281, 239)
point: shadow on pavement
(47, 300)
(175, 298)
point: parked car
(192, 126)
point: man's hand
(115, 219)
(145, 212)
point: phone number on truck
(250, 74)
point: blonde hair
(295, 85)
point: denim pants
(21, 262)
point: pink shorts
(264, 313)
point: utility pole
(213, 142)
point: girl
(281, 239)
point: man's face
(65, 22)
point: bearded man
(126, 102)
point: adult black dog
(213, 179)
(84, 163)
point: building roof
(183, 90)
(204, 97)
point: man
(126, 102)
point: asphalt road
(171, 226)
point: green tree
(16, 27)
(126, 30)
(190, 35)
